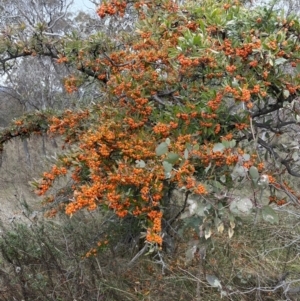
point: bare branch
(138, 255)
(284, 162)
(117, 65)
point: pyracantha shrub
(197, 97)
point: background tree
(35, 83)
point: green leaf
(213, 281)
(161, 149)
(194, 222)
(246, 157)
(286, 93)
(280, 61)
(229, 144)
(225, 143)
(232, 143)
(269, 215)
(189, 146)
(167, 166)
(186, 154)
(217, 221)
(217, 186)
(172, 158)
(244, 205)
(238, 171)
(253, 172)
(196, 147)
(197, 40)
(235, 83)
(241, 206)
(223, 179)
(271, 62)
(140, 163)
(218, 147)
(207, 233)
(202, 209)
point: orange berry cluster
(62, 59)
(71, 84)
(112, 8)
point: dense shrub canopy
(200, 97)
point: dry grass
(248, 265)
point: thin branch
(91, 73)
(24, 54)
(53, 34)
(166, 93)
(182, 209)
(161, 262)
(280, 99)
(117, 65)
(269, 127)
(266, 110)
(157, 99)
(138, 255)
(278, 158)
(59, 17)
(253, 135)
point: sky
(84, 5)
